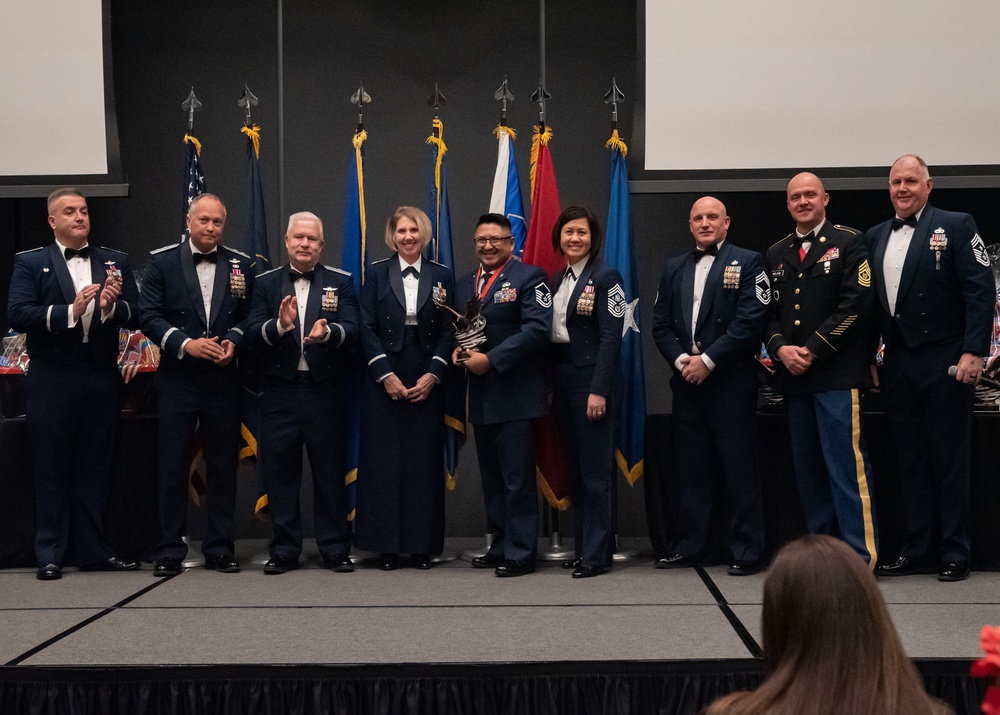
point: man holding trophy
(501, 341)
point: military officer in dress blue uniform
(820, 337)
(194, 305)
(588, 312)
(407, 341)
(71, 298)
(506, 391)
(935, 304)
(304, 320)
(708, 320)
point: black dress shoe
(49, 572)
(223, 564)
(112, 563)
(421, 561)
(388, 562)
(587, 571)
(675, 561)
(486, 562)
(571, 564)
(954, 571)
(280, 564)
(903, 566)
(744, 568)
(510, 568)
(167, 567)
(339, 563)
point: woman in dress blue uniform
(588, 307)
(406, 342)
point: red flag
(549, 466)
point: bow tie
(804, 239)
(212, 257)
(82, 253)
(411, 271)
(898, 223)
(710, 251)
(294, 275)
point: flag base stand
(624, 555)
(445, 556)
(555, 551)
(478, 553)
(194, 557)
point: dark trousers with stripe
(832, 468)
(72, 421)
(507, 467)
(297, 413)
(587, 449)
(930, 416)
(715, 430)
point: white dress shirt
(560, 301)
(892, 263)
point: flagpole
(281, 111)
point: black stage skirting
(783, 516)
(571, 688)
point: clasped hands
(396, 390)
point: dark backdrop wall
(398, 50)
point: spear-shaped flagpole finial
(613, 96)
(539, 97)
(190, 105)
(246, 101)
(436, 100)
(360, 99)
(503, 95)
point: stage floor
(450, 614)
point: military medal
(731, 276)
(506, 294)
(585, 305)
(439, 294)
(237, 281)
(114, 271)
(939, 242)
(330, 299)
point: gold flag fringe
(254, 134)
(616, 142)
(536, 140)
(358, 140)
(188, 139)
(504, 129)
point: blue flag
(506, 196)
(440, 250)
(194, 177)
(355, 260)
(618, 253)
(255, 229)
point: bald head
(807, 200)
(709, 222)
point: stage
(452, 639)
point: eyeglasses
(493, 241)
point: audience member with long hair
(829, 643)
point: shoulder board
(261, 275)
(30, 250)
(847, 229)
(164, 248)
(238, 253)
(337, 270)
(112, 250)
(436, 263)
(375, 263)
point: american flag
(194, 177)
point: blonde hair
(414, 214)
